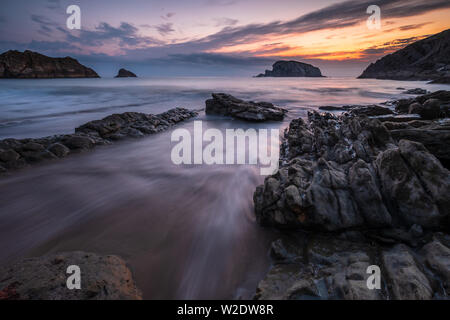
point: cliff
(427, 59)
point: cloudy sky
(218, 37)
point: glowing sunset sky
(219, 36)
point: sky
(218, 37)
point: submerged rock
(292, 69)
(123, 73)
(28, 64)
(416, 91)
(227, 105)
(45, 278)
(19, 153)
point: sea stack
(123, 73)
(291, 69)
(427, 59)
(32, 65)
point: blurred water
(187, 231)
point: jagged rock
(427, 59)
(16, 154)
(59, 150)
(373, 110)
(123, 73)
(227, 105)
(292, 69)
(28, 64)
(352, 192)
(406, 280)
(324, 266)
(345, 172)
(442, 80)
(44, 278)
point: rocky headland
(32, 65)
(104, 277)
(19, 153)
(365, 187)
(427, 59)
(123, 73)
(291, 69)
(227, 105)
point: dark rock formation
(291, 69)
(227, 105)
(320, 266)
(416, 91)
(16, 154)
(356, 190)
(123, 73)
(427, 59)
(44, 278)
(28, 64)
(346, 172)
(443, 80)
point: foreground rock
(416, 91)
(320, 266)
(123, 73)
(16, 154)
(427, 59)
(291, 69)
(28, 64)
(355, 190)
(45, 278)
(346, 172)
(227, 105)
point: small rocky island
(427, 59)
(291, 69)
(124, 73)
(32, 65)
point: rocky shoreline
(104, 277)
(20, 153)
(363, 188)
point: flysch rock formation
(32, 65)
(427, 59)
(20, 153)
(227, 105)
(103, 277)
(356, 190)
(291, 69)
